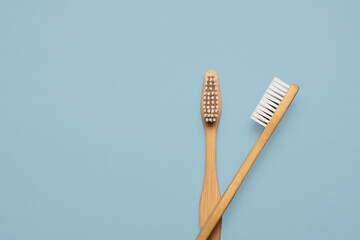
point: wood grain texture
(245, 167)
(210, 194)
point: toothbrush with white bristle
(210, 111)
(268, 114)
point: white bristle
(210, 108)
(281, 82)
(269, 102)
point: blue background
(100, 128)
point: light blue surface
(100, 128)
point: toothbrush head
(270, 102)
(210, 99)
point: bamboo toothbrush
(268, 113)
(210, 111)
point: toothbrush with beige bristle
(268, 114)
(210, 111)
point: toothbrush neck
(210, 136)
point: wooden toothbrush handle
(210, 194)
(229, 194)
